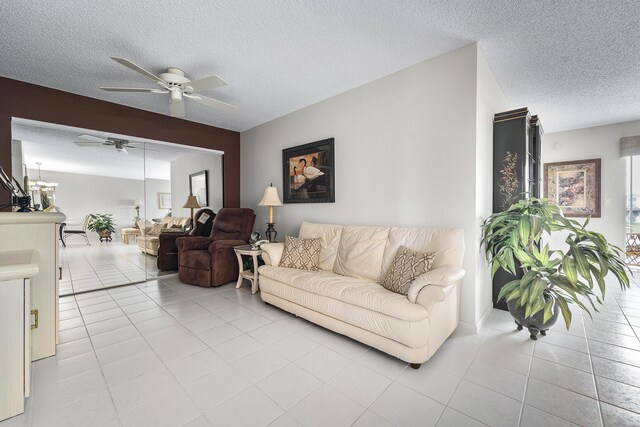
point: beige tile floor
(163, 353)
(103, 265)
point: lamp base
(271, 232)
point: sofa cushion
(358, 302)
(358, 292)
(329, 236)
(176, 222)
(303, 254)
(361, 251)
(406, 266)
(447, 243)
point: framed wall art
(308, 173)
(198, 186)
(574, 186)
(164, 200)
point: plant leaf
(569, 269)
(523, 229)
(537, 287)
(566, 312)
(548, 310)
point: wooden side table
(126, 232)
(248, 274)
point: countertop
(31, 217)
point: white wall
(490, 100)
(590, 143)
(405, 155)
(17, 160)
(152, 187)
(196, 162)
(78, 195)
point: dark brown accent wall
(29, 101)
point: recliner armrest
(442, 277)
(217, 245)
(272, 253)
(193, 243)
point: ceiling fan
(119, 144)
(174, 82)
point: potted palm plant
(103, 225)
(546, 281)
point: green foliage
(101, 222)
(551, 277)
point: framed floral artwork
(574, 186)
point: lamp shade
(192, 202)
(270, 197)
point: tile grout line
(488, 328)
(526, 383)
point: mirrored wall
(121, 195)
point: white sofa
(149, 241)
(345, 296)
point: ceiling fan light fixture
(176, 95)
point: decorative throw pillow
(303, 254)
(155, 230)
(406, 266)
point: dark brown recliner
(211, 261)
(168, 249)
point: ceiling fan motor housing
(174, 77)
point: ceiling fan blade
(210, 102)
(176, 107)
(87, 143)
(138, 69)
(92, 138)
(207, 83)
(142, 148)
(132, 89)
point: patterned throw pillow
(406, 266)
(303, 254)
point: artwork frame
(575, 187)
(308, 172)
(199, 187)
(164, 200)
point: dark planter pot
(534, 323)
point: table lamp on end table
(270, 199)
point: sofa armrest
(191, 243)
(431, 294)
(440, 277)
(272, 252)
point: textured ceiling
(576, 63)
(52, 145)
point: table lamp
(192, 203)
(270, 199)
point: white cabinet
(15, 357)
(37, 232)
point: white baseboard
(470, 328)
(484, 318)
